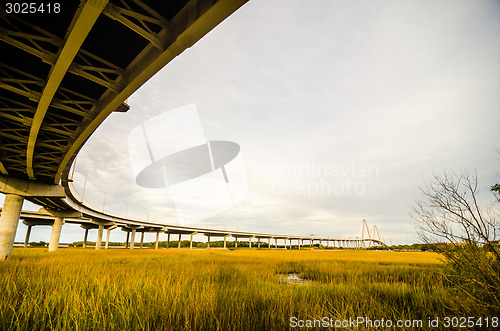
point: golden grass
(77, 289)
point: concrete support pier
(27, 239)
(85, 238)
(8, 223)
(127, 240)
(132, 240)
(168, 240)
(56, 234)
(157, 238)
(142, 239)
(179, 242)
(98, 241)
(107, 238)
(191, 242)
(208, 242)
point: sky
(341, 111)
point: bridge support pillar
(275, 243)
(157, 238)
(191, 242)
(28, 233)
(98, 241)
(258, 242)
(168, 240)
(56, 234)
(8, 223)
(128, 238)
(132, 239)
(225, 237)
(142, 239)
(179, 242)
(107, 239)
(236, 242)
(250, 242)
(85, 238)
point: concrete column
(168, 240)
(128, 237)
(11, 211)
(268, 242)
(275, 243)
(157, 237)
(249, 242)
(225, 241)
(298, 242)
(208, 242)
(258, 242)
(28, 233)
(107, 238)
(98, 241)
(236, 242)
(142, 239)
(191, 242)
(290, 243)
(311, 243)
(179, 244)
(132, 239)
(85, 238)
(56, 234)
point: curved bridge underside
(62, 74)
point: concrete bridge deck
(61, 77)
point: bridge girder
(62, 82)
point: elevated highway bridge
(61, 74)
(44, 217)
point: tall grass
(76, 289)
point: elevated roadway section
(61, 75)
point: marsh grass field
(84, 289)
